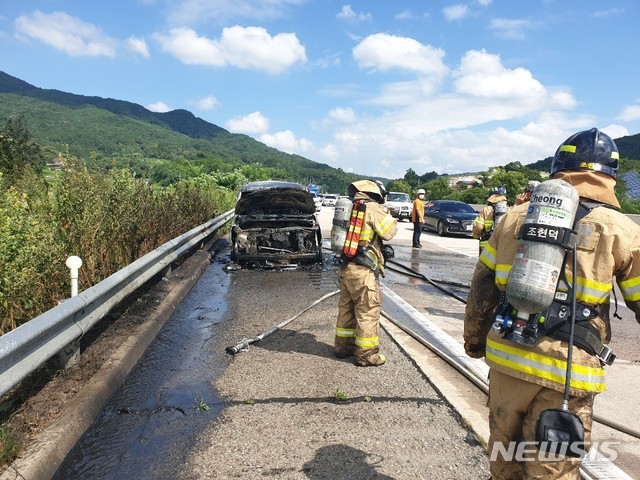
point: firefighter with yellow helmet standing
(359, 267)
(528, 370)
(484, 223)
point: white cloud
(481, 74)
(513, 28)
(405, 15)
(403, 93)
(191, 12)
(615, 131)
(347, 13)
(287, 142)
(484, 3)
(207, 103)
(607, 13)
(253, 47)
(630, 113)
(67, 34)
(189, 48)
(455, 12)
(342, 115)
(255, 122)
(159, 107)
(138, 45)
(248, 48)
(384, 52)
(330, 153)
(437, 133)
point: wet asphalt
(188, 410)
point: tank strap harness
(554, 321)
(352, 251)
(498, 211)
(350, 248)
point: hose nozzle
(241, 346)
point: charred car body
(275, 223)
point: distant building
(56, 164)
(463, 183)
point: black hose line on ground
(413, 273)
(243, 345)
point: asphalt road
(189, 411)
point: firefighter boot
(373, 361)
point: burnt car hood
(285, 196)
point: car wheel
(441, 229)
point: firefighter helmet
(531, 186)
(373, 188)
(587, 150)
(498, 194)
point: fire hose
(243, 345)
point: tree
(399, 186)
(411, 178)
(427, 177)
(438, 189)
(19, 154)
(513, 181)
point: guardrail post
(70, 355)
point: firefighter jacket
(483, 224)
(608, 245)
(417, 213)
(378, 225)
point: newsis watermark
(553, 452)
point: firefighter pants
(358, 314)
(514, 407)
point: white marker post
(70, 355)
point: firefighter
(360, 296)
(526, 195)
(483, 224)
(417, 217)
(525, 380)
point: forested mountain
(121, 133)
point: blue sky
(373, 87)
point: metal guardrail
(25, 348)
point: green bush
(107, 219)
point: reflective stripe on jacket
(528, 361)
(608, 245)
(483, 225)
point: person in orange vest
(527, 378)
(417, 217)
(360, 300)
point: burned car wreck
(275, 224)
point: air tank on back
(537, 264)
(341, 219)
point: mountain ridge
(186, 123)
